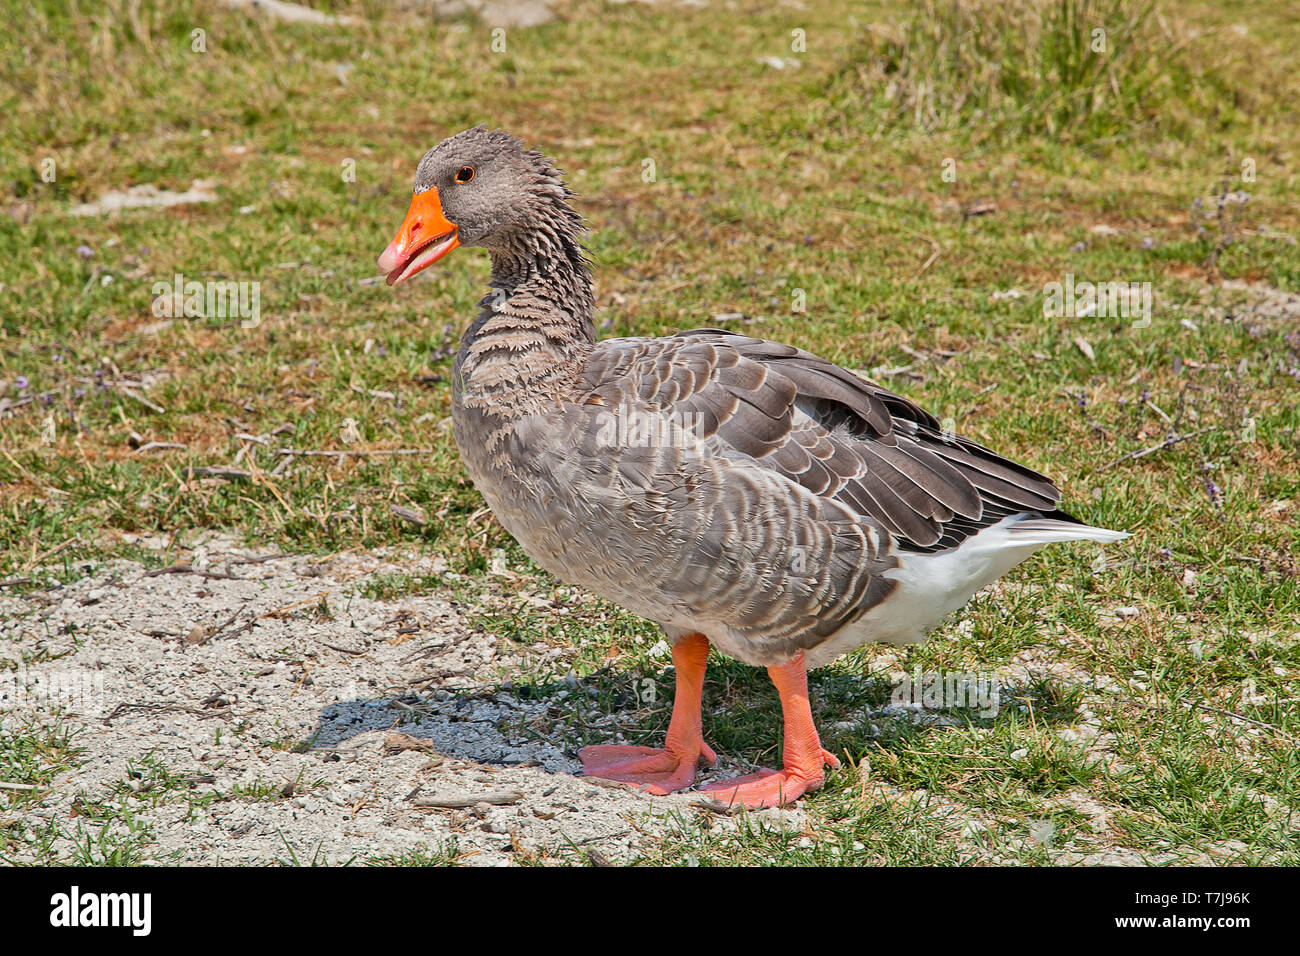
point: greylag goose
(739, 493)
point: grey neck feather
(534, 329)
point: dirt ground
(266, 711)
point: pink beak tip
(390, 258)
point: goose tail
(1039, 531)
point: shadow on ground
(545, 724)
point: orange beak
(425, 237)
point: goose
(742, 494)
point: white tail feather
(1035, 531)
(932, 585)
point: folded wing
(835, 434)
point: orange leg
(673, 768)
(803, 755)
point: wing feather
(838, 435)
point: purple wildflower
(1214, 492)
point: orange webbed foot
(673, 768)
(769, 788)
(803, 754)
(655, 771)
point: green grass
(816, 177)
(100, 833)
(31, 755)
(446, 855)
(1073, 70)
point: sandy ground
(301, 733)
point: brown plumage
(734, 490)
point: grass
(890, 213)
(1073, 70)
(31, 755)
(102, 833)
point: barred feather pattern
(708, 481)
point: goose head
(481, 188)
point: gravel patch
(267, 711)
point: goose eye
(465, 175)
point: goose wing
(835, 434)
